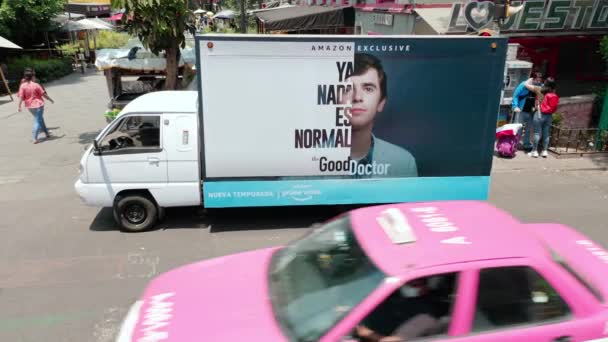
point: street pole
(243, 17)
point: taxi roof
(398, 237)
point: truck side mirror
(96, 145)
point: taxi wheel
(135, 213)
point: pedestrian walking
(32, 95)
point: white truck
(305, 120)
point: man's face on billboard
(365, 97)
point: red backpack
(549, 104)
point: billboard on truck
(306, 120)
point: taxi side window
(515, 295)
(420, 308)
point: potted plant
(111, 114)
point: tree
(26, 21)
(161, 27)
(117, 4)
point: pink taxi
(453, 271)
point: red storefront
(560, 37)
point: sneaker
(533, 154)
(544, 154)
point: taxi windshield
(317, 280)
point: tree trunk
(172, 67)
(243, 17)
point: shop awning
(7, 44)
(86, 24)
(96, 24)
(118, 17)
(434, 20)
(306, 18)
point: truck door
(131, 152)
(181, 142)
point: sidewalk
(524, 162)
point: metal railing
(578, 140)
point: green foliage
(46, 70)
(69, 49)
(557, 119)
(111, 114)
(224, 29)
(598, 104)
(110, 40)
(105, 40)
(604, 48)
(117, 4)
(159, 24)
(25, 21)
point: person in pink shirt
(33, 95)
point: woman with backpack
(546, 105)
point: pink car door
(398, 307)
(515, 300)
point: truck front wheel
(135, 213)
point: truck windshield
(316, 281)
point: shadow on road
(600, 160)
(8, 100)
(53, 137)
(235, 219)
(231, 219)
(104, 221)
(87, 137)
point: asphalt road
(66, 273)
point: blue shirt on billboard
(397, 161)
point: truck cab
(145, 160)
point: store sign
(383, 19)
(88, 9)
(552, 15)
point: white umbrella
(199, 11)
(72, 25)
(225, 14)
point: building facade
(560, 38)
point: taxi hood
(222, 299)
(583, 255)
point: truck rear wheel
(135, 213)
